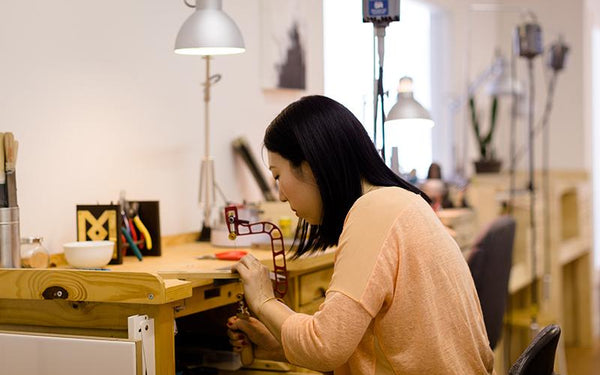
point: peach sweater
(401, 299)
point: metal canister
(10, 240)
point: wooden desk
(460, 223)
(98, 303)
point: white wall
(100, 103)
(592, 110)
(568, 144)
(475, 34)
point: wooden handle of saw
(247, 355)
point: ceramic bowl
(89, 254)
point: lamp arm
(481, 78)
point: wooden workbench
(98, 303)
(562, 276)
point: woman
(401, 299)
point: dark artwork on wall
(292, 73)
(283, 44)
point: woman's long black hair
(336, 146)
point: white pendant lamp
(407, 109)
(209, 31)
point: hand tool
(132, 220)
(10, 153)
(3, 200)
(279, 263)
(143, 230)
(132, 244)
(225, 255)
(133, 212)
(132, 231)
(247, 353)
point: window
(349, 71)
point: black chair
(490, 263)
(538, 358)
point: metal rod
(513, 132)
(207, 85)
(207, 182)
(375, 89)
(532, 222)
(381, 94)
(546, 183)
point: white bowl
(89, 254)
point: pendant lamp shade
(407, 108)
(209, 31)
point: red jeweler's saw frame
(239, 227)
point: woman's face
(298, 187)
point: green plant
(486, 150)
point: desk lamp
(407, 117)
(502, 83)
(207, 32)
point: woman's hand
(243, 332)
(258, 288)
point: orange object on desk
(226, 255)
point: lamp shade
(209, 31)
(407, 108)
(502, 84)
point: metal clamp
(139, 327)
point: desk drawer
(30, 353)
(312, 286)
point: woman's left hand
(257, 284)
(244, 332)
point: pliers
(131, 219)
(133, 212)
(131, 243)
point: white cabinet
(39, 354)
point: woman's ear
(307, 173)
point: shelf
(562, 248)
(520, 277)
(572, 249)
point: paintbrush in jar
(10, 155)
(3, 200)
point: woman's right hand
(258, 288)
(244, 332)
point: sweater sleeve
(325, 340)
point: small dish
(89, 254)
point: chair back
(538, 358)
(490, 263)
